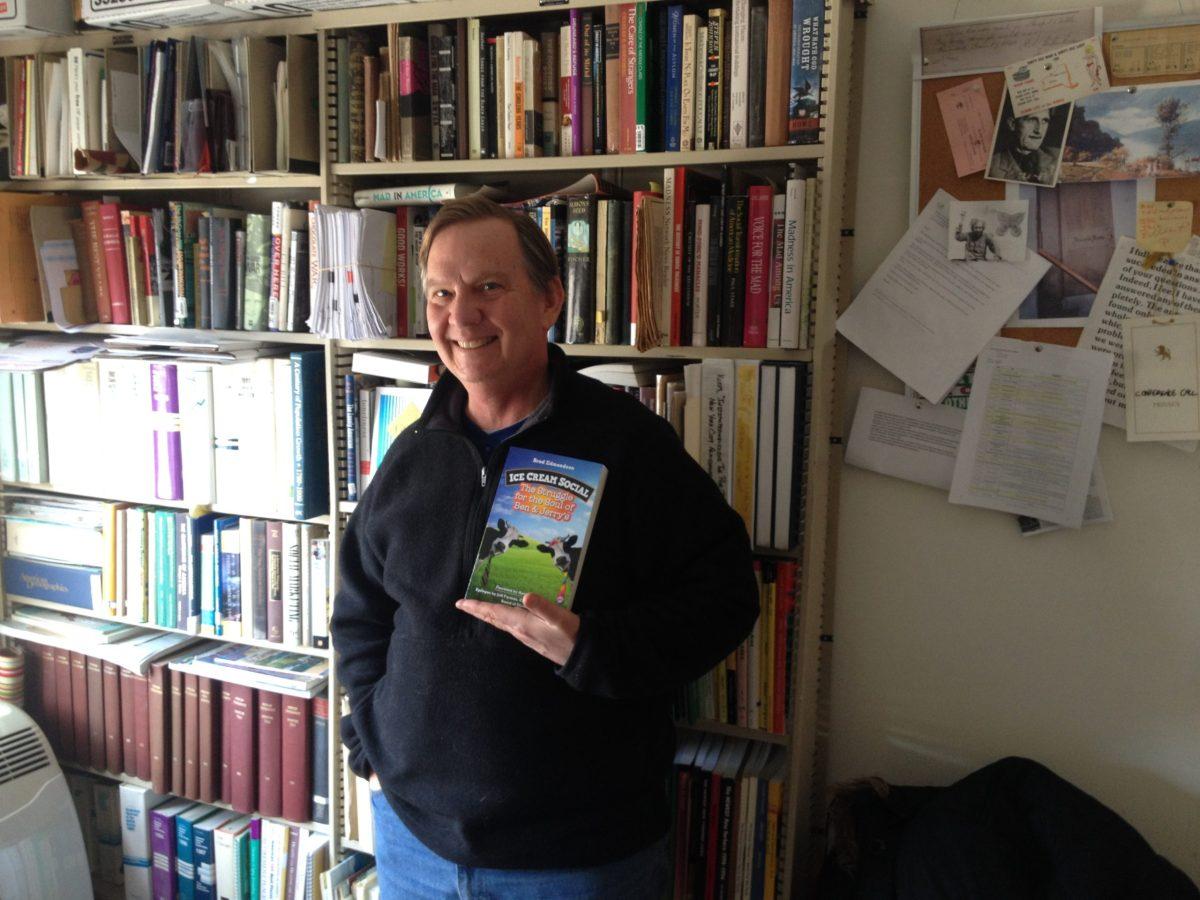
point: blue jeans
(408, 870)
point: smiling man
(523, 752)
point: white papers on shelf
(1029, 442)
(29, 354)
(905, 437)
(133, 653)
(925, 318)
(355, 294)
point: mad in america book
(538, 528)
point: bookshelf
(335, 182)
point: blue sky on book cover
(546, 502)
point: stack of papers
(133, 653)
(355, 294)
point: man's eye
(491, 286)
(439, 297)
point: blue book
(674, 75)
(228, 571)
(537, 530)
(804, 97)
(311, 474)
(165, 572)
(75, 587)
(204, 853)
(185, 868)
(197, 527)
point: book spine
(226, 752)
(95, 711)
(168, 448)
(270, 785)
(808, 50)
(141, 724)
(756, 80)
(158, 695)
(275, 581)
(792, 289)
(320, 759)
(114, 263)
(778, 211)
(758, 266)
(296, 759)
(714, 89)
(203, 270)
(177, 736)
(587, 82)
(208, 739)
(242, 769)
(162, 854)
(674, 81)
(191, 736)
(735, 271)
(739, 74)
(575, 83)
(110, 677)
(581, 225)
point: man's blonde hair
(541, 264)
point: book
(136, 804)
(808, 52)
(537, 531)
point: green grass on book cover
(538, 528)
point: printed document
(905, 437)
(1097, 509)
(1029, 442)
(1162, 374)
(925, 318)
(1130, 291)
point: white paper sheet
(1131, 292)
(925, 318)
(1162, 372)
(1097, 509)
(986, 45)
(905, 437)
(1029, 442)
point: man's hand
(540, 625)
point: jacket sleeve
(361, 628)
(690, 596)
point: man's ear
(552, 302)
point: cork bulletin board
(1173, 45)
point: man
(976, 241)
(1024, 159)
(523, 751)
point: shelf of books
(247, 336)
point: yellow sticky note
(1164, 226)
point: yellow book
(774, 804)
(745, 440)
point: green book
(255, 856)
(258, 271)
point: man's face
(486, 317)
(1031, 130)
(976, 231)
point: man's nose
(464, 308)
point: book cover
(758, 266)
(136, 804)
(168, 447)
(311, 474)
(581, 261)
(804, 100)
(112, 714)
(163, 846)
(270, 747)
(296, 759)
(537, 530)
(161, 738)
(208, 709)
(320, 759)
(95, 711)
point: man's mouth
(474, 345)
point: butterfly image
(1010, 222)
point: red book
(758, 266)
(144, 223)
(128, 729)
(95, 702)
(785, 602)
(176, 731)
(296, 758)
(95, 259)
(191, 737)
(141, 724)
(159, 694)
(270, 735)
(110, 675)
(66, 726)
(210, 738)
(49, 682)
(79, 716)
(226, 744)
(401, 271)
(243, 775)
(18, 117)
(113, 244)
(628, 64)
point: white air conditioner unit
(41, 847)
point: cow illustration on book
(566, 558)
(496, 541)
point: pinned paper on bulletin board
(1164, 226)
(969, 125)
(1060, 76)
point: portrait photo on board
(1028, 149)
(987, 230)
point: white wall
(956, 640)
